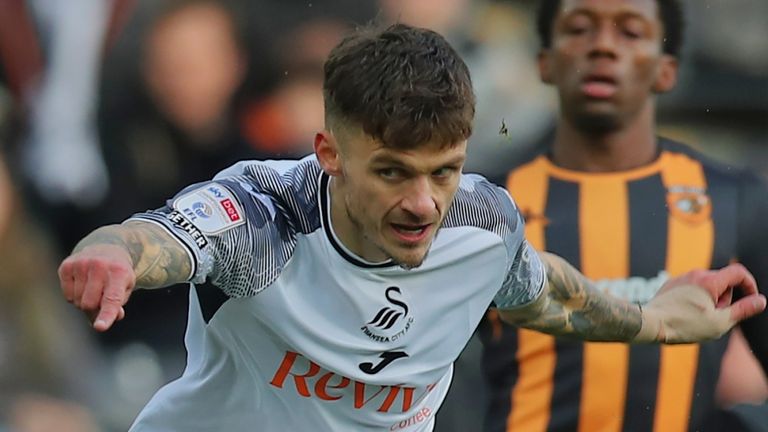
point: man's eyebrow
(457, 160)
(387, 159)
(621, 14)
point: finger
(67, 281)
(93, 289)
(111, 304)
(121, 314)
(725, 299)
(747, 307)
(734, 275)
(80, 278)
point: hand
(98, 280)
(697, 306)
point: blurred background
(109, 107)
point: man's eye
(631, 34)
(390, 173)
(444, 172)
(576, 30)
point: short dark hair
(670, 12)
(404, 86)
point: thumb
(746, 307)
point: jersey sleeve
(237, 238)
(753, 253)
(526, 276)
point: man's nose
(419, 199)
(604, 40)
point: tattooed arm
(689, 308)
(108, 263)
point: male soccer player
(351, 280)
(630, 210)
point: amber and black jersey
(629, 231)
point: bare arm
(157, 258)
(690, 308)
(107, 264)
(572, 306)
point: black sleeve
(753, 253)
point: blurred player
(630, 210)
(341, 309)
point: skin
(607, 63)
(193, 65)
(620, 41)
(693, 307)
(388, 203)
(109, 263)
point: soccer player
(350, 280)
(630, 210)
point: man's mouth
(410, 233)
(599, 86)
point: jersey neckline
(627, 175)
(324, 201)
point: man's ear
(327, 152)
(545, 69)
(666, 77)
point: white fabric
(330, 343)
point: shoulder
(287, 187)
(482, 204)
(720, 175)
(713, 168)
(274, 174)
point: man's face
(606, 60)
(394, 201)
(193, 66)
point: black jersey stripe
(724, 195)
(500, 367)
(687, 373)
(647, 258)
(562, 237)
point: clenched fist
(98, 280)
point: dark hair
(670, 12)
(404, 86)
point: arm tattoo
(575, 307)
(158, 259)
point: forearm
(158, 260)
(572, 306)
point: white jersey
(309, 337)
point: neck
(630, 146)
(347, 231)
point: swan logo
(390, 322)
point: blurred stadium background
(108, 107)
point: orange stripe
(690, 245)
(532, 394)
(604, 237)
(528, 186)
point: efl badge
(212, 208)
(689, 204)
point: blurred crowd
(109, 107)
